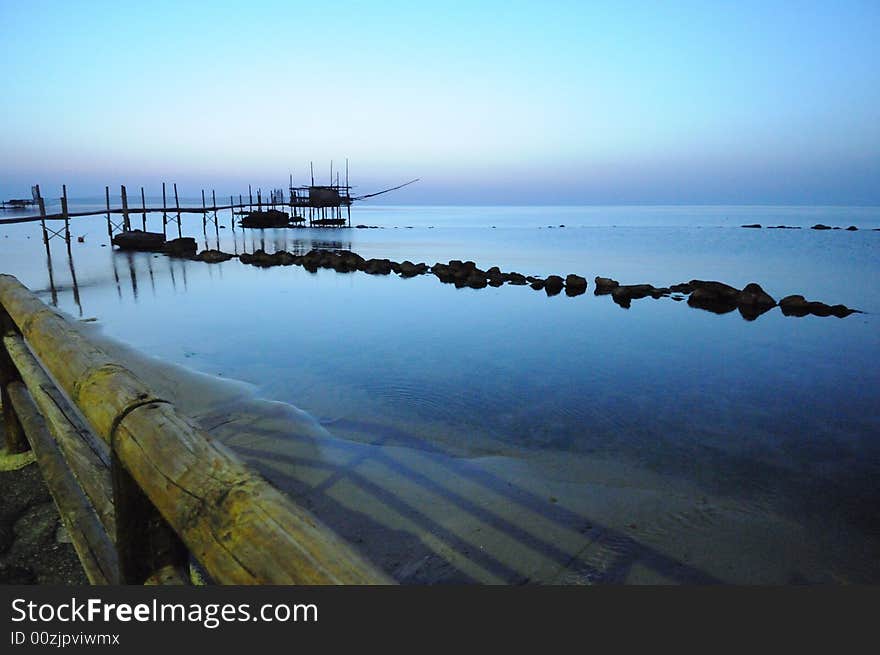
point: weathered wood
(145, 543)
(64, 213)
(144, 215)
(109, 222)
(15, 441)
(241, 529)
(92, 544)
(87, 458)
(126, 222)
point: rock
(267, 218)
(604, 285)
(852, 228)
(213, 256)
(753, 225)
(182, 247)
(575, 285)
(623, 295)
(819, 226)
(141, 241)
(258, 258)
(408, 269)
(377, 266)
(753, 301)
(783, 227)
(553, 285)
(797, 305)
(753, 295)
(476, 280)
(536, 283)
(515, 278)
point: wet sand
(429, 516)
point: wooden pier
(319, 205)
(142, 492)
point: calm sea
(501, 435)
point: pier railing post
(15, 439)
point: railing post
(149, 550)
(15, 439)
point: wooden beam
(94, 547)
(87, 458)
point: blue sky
(487, 102)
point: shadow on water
(440, 547)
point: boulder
(605, 285)
(377, 266)
(213, 256)
(476, 280)
(267, 218)
(182, 247)
(797, 305)
(575, 285)
(852, 228)
(515, 278)
(753, 295)
(553, 285)
(623, 295)
(139, 240)
(753, 225)
(819, 226)
(408, 269)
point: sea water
(501, 435)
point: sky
(486, 102)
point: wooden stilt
(144, 215)
(65, 214)
(164, 211)
(109, 223)
(177, 206)
(126, 224)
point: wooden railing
(140, 489)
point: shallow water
(501, 435)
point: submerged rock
(820, 226)
(753, 225)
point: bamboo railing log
(95, 549)
(240, 528)
(89, 465)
